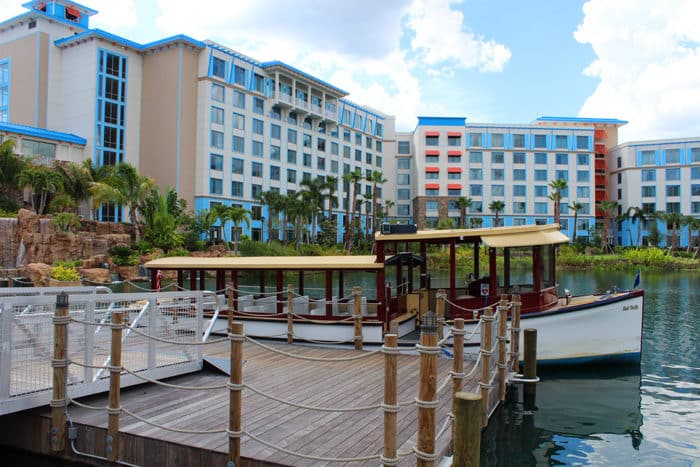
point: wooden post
(60, 369)
(467, 429)
(502, 356)
(357, 316)
(530, 365)
(114, 408)
(486, 334)
(427, 389)
(515, 334)
(278, 288)
(290, 314)
(458, 361)
(235, 387)
(390, 397)
(440, 311)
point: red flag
(159, 276)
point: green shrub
(131, 260)
(120, 250)
(179, 251)
(7, 212)
(65, 274)
(77, 263)
(66, 221)
(142, 246)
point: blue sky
(502, 61)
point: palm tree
(636, 215)
(347, 183)
(576, 207)
(607, 208)
(285, 205)
(496, 207)
(11, 165)
(368, 202)
(377, 178)
(675, 220)
(75, 181)
(388, 204)
(558, 186)
(238, 215)
(314, 196)
(271, 200)
(221, 213)
(355, 177)
(463, 204)
(332, 186)
(42, 181)
(693, 226)
(95, 174)
(626, 216)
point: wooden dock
(321, 434)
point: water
(628, 416)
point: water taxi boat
(571, 329)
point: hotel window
(541, 158)
(321, 144)
(561, 142)
(562, 159)
(368, 158)
(694, 154)
(217, 139)
(239, 75)
(321, 163)
(237, 166)
(358, 155)
(258, 106)
(431, 205)
(306, 140)
(218, 67)
(358, 139)
(334, 148)
(583, 192)
(432, 140)
(258, 83)
(292, 118)
(346, 152)
(215, 186)
(291, 176)
(582, 142)
(111, 107)
(405, 209)
(432, 192)
(673, 207)
(257, 169)
(648, 175)
(379, 130)
(403, 164)
(453, 159)
(431, 222)
(274, 172)
(237, 189)
(454, 140)
(275, 131)
(519, 174)
(334, 167)
(562, 174)
(519, 207)
(582, 159)
(239, 99)
(497, 190)
(518, 158)
(476, 190)
(404, 147)
(403, 179)
(257, 148)
(432, 159)
(216, 162)
(346, 135)
(519, 221)
(378, 146)
(694, 190)
(619, 178)
(583, 176)
(695, 207)
(46, 151)
(541, 191)
(541, 175)
(403, 194)
(378, 161)
(255, 190)
(238, 121)
(673, 174)
(519, 190)
(497, 174)
(258, 127)
(306, 160)
(475, 140)
(291, 136)
(368, 142)
(217, 116)
(497, 140)
(476, 174)
(432, 175)
(619, 162)
(217, 92)
(648, 157)
(540, 141)
(518, 140)
(673, 156)
(306, 123)
(238, 144)
(476, 157)
(673, 190)
(306, 177)
(648, 192)
(497, 157)
(649, 207)
(540, 208)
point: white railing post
(6, 351)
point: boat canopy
(522, 235)
(260, 263)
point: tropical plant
(607, 209)
(675, 220)
(557, 186)
(65, 274)
(693, 226)
(95, 175)
(496, 207)
(42, 181)
(576, 207)
(388, 204)
(65, 221)
(355, 178)
(463, 204)
(11, 165)
(332, 186)
(445, 223)
(75, 181)
(377, 178)
(312, 190)
(161, 229)
(271, 199)
(238, 215)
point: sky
(491, 61)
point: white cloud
(114, 16)
(440, 36)
(648, 63)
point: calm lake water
(638, 416)
(635, 416)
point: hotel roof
(42, 133)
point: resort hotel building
(221, 127)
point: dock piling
(235, 388)
(515, 334)
(530, 366)
(467, 429)
(502, 356)
(426, 402)
(115, 369)
(485, 384)
(290, 313)
(390, 399)
(357, 316)
(60, 370)
(440, 311)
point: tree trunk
(575, 224)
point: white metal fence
(26, 340)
